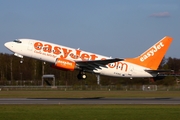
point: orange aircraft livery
(66, 58)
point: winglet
(152, 57)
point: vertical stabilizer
(152, 57)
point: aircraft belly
(129, 74)
(114, 72)
(142, 74)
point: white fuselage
(49, 52)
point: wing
(96, 64)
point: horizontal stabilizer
(150, 71)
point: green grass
(88, 94)
(89, 112)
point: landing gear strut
(82, 75)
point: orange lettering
(57, 50)
(123, 66)
(66, 52)
(85, 56)
(93, 57)
(47, 48)
(38, 45)
(112, 65)
(72, 56)
(78, 52)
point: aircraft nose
(8, 45)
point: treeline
(13, 69)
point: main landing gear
(82, 75)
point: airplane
(66, 58)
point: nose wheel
(21, 61)
(82, 75)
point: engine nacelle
(64, 64)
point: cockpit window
(17, 41)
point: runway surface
(90, 101)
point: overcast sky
(117, 28)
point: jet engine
(64, 64)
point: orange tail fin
(152, 57)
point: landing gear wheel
(82, 76)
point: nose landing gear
(82, 75)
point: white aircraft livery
(66, 58)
